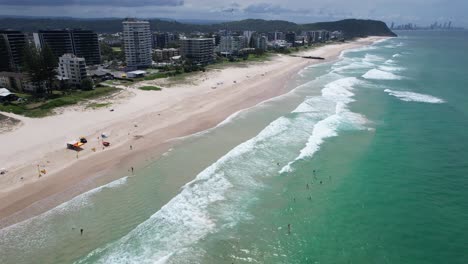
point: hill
(351, 27)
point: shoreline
(150, 122)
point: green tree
(174, 45)
(32, 67)
(106, 52)
(87, 84)
(155, 58)
(49, 65)
(109, 54)
(259, 52)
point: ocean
(364, 161)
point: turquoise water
(365, 160)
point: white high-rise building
(198, 50)
(231, 44)
(248, 36)
(261, 42)
(72, 68)
(137, 43)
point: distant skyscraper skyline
(300, 11)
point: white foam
(34, 232)
(242, 112)
(391, 68)
(365, 48)
(381, 40)
(187, 217)
(316, 104)
(351, 64)
(396, 55)
(230, 118)
(373, 58)
(414, 97)
(73, 204)
(376, 74)
(339, 92)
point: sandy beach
(142, 126)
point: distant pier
(309, 57)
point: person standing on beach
(81, 231)
(132, 170)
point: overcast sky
(400, 11)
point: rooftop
(4, 92)
(197, 39)
(137, 72)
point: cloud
(422, 12)
(121, 3)
(233, 7)
(267, 8)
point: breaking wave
(376, 74)
(338, 92)
(414, 97)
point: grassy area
(157, 75)
(97, 105)
(264, 57)
(116, 49)
(44, 107)
(225, 62)
(118, 82)
(309, 47)
(150, 88)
